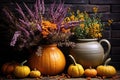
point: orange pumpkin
(90, 72)
(8, 67)
(49, 60)
(35, 73)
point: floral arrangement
(91, 25)
(40, 26)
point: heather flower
(39, 26)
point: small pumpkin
(35, 73)
(106, 70)
(90, 72)
(22, 71)
(8, 67)
(75, 70)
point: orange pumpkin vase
(49, 60)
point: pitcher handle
(108, 50)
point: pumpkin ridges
(54, 68)
(22, 71)
(8, 67)
(57, 57)
(4, 67)
(75, 72)
(75, 69)
(78, 71)
(106, 70)
(45, 64)
(90, 72)
(35, 73)
(49, 62)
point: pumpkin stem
(73, 59)
(107, 61)
(23, 62)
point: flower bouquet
(39, 26)
(91, 25)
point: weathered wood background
(110, 9)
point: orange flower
(53, 26)
(48, 24)
(45, 33)
(65, 30)
(46, 27)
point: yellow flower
(78, 11)
(82, 19)
(82, 25)
(99, 35)
(95, 9)
(72, 18)
(87, 30)
(76, 19)
(96, 25)
(110, 21)
(69, 9)
(91, 25)
(67, 19)
(81, 15)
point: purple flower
(36, 10)
(20, 11)
(39, 27)
(14, 39)
(29, 11)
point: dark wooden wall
(110, 9)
